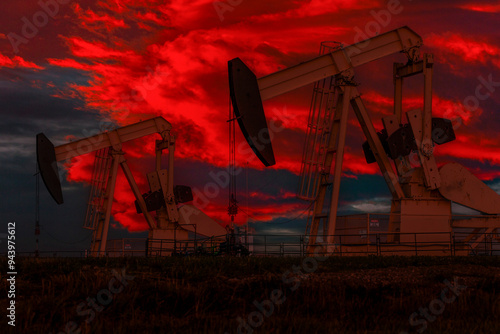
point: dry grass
(207, 295)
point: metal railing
(162, 247)
(438, 243)
(413, 244)
(79, 253)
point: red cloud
(71, 63)
(175, 66)
(17, 62)
(124, 210)
(85, 49)
(485, 175)
(314, 8)
(485, 7)
(266, 213)
(475, 148)
(454, 110)
(469, 49)
(97, 22)
(356, 163)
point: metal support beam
(431, 174)
(339, 158)
(408, 70)
(481, 237)
(427, 145)
(110, 191)
(137, 193)
(472, 235)
(170, 184)
(402, 39)
(394, 221)
(376, 146)
(398, 93)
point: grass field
(272, 295)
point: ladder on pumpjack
(98, 194)
(322, 123)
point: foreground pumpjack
(172, 223)
(421, 196)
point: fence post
(454, 244)
(451, 244)
(491, 243)
(379, 251)
(195, 243)
(368, 228)
(301, 245)
(416, 247)
(175, 240)
(340, 242)
(265, 245)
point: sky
(71, 69)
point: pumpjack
(421, 195)
(172, 222)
